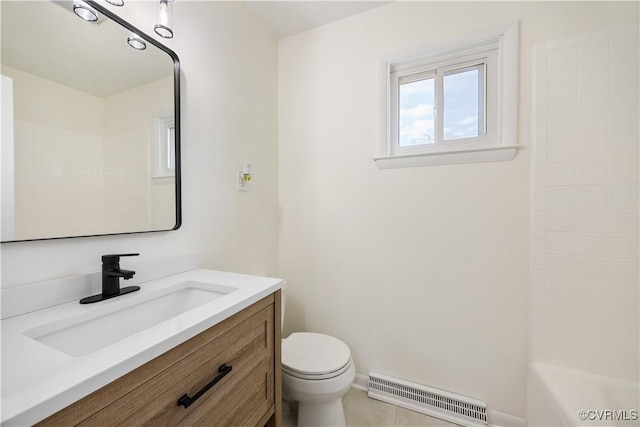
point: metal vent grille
(437, 403)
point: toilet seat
(312, 356)
(310, 376)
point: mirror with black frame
(90, 125)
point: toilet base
(321, 414)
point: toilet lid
(311, 353)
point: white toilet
(317, 371)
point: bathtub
(556, 396)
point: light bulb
(85, 11)
(136, 42)
(165, 13)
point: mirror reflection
(88, 126)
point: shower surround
(584, 307)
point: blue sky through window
(416, 121)
(461, 105)
(461, 116)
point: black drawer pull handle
(186, 401)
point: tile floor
(360, 410)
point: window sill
(493, 154)
(163, 180)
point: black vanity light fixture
(164, 9)
(118, 3)
(84, 11)
(136, 42)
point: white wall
(130, 196)
(229, 84)
(584, 248)
(58, 155)
(423, 272)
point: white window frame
(497, 48)
(162, 173)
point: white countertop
(38, 381)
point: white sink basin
(118, 319)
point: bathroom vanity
(150, 394)
(213, 363)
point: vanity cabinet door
(241, 397)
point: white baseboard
(361, 382)
(500, 419)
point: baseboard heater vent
(427, 400)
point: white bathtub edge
(556, 396)
(500, 419)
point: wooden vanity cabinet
(249, 394)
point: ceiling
(285, 18)
(43, 39)
(51, 33)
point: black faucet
(111, 274)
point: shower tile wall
(584, 284)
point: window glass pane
(171, 148)
(462, 104)
(415, 118)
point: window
(165, 148)
(453, 100)
(437, 104)
(463, 106)
(170, 147)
